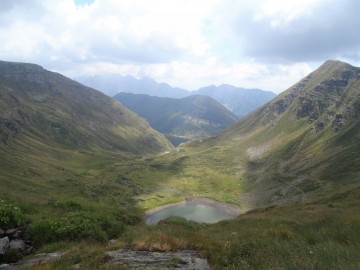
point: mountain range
(238, 100)
(112, 84)
(180, 119)
(78, 168)
(307, 136)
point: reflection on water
(195, 212)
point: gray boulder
(17, 234)
(4, 243)
(17, 244)
(10, 232)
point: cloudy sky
(267, 44)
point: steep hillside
(44, 106)
(239, 100)
(302, 144)
(193, 117)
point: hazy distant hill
(193, 117)
(37, 105)
(239, 100)
(111, 84)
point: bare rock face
(328, 97)
(182, 260)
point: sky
(266, 44)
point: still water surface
(195, 212)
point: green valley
(189, 118)
(79, 169)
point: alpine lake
(197, 210)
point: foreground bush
(11, 216)
(74, 227)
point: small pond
(197, 212)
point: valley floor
(80, 203)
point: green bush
(126, 217)
(10, 216)
(74, 227)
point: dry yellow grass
(160, 241)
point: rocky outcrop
(328, 97)
(36, 260)
(182, 260)
(13, 240)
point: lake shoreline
(231, 209)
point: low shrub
(11, 216)
(74, 227)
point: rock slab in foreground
(182, 260)
(37, 260)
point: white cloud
(275, 77)
(267, 44)
(283, 12)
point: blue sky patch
(83, 2)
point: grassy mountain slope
(60, 141)
(44, 106)
(65, 152)
(303, 143)
(193, 117)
